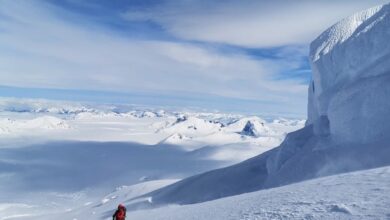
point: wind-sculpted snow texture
(347, 118)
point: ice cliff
(351, 70)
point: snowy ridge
(41, 106)
(12, 126)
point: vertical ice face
(351, 77)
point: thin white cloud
(39, 48)
(249, 23)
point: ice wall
(349, 94)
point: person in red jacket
(120, 213)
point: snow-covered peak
(256, 129)
(44, 122)
(193, 125)
(238, 124)
(47, 122)
(249, 129)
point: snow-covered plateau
(57, 156)
(183, 165)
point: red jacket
(120, 213)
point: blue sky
(243, 56)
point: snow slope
(357, 195)
(348, 105)
(90, 208)
(103, 208)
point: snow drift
(347, 110)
